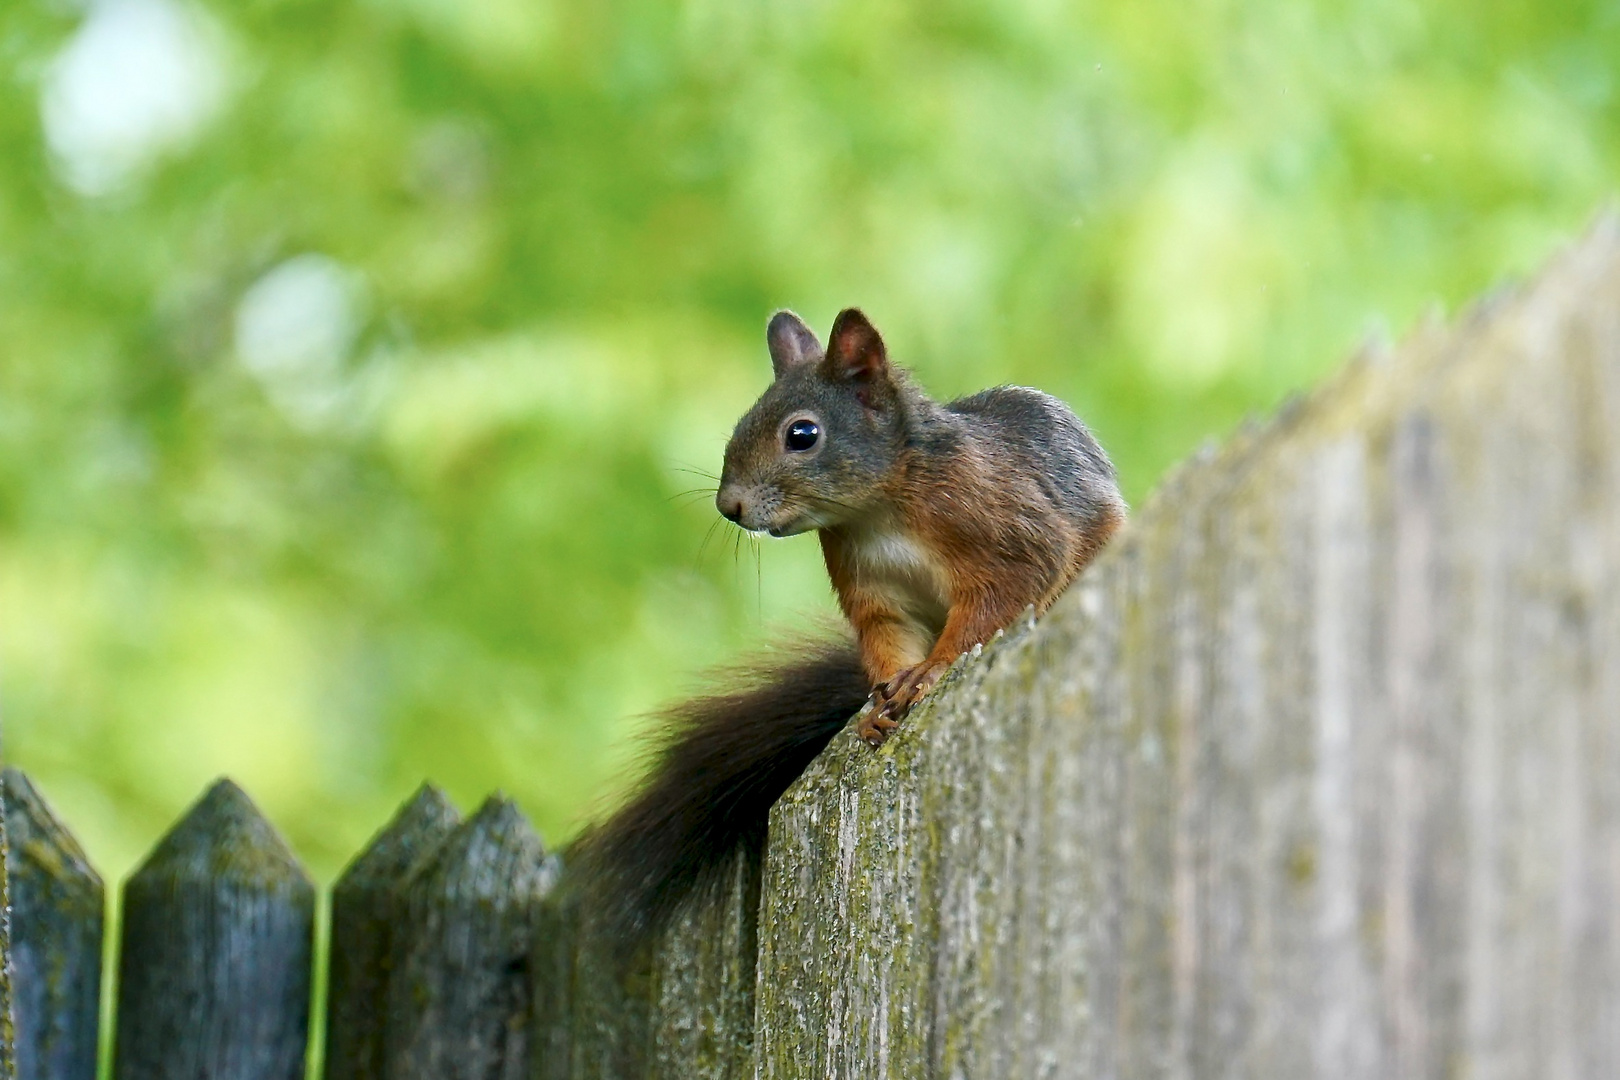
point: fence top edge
(223, 840)
(417, 828)
(1379, 386)
(495, 855)
(36, 836)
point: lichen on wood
(702, 984)
(366, 907)
(57, 905)
(1315, 773)
(459, 992)
(681, 1007)
(214, 963)
(8, 1034)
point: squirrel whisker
(951, 518)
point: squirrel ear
(854, 349)
(791, 342)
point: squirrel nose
(730, 507)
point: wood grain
(1316, 772)
(214, 965)
(57, 906)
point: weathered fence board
(460, 992)
(8, 1034)
(1315, 774)
(366, 906)
(592, 1006)
(57, 906)
(685, 1010)
(703, 986)
(214, 971)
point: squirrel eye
(802, 435)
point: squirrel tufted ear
(791, 342)
(854, 349)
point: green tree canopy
(355, 354)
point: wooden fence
(1315, 774)
(432, 927)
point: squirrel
(939, 524)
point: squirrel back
(938, 524)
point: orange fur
(1000, 554)
(938, 523)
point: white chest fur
(893, 563)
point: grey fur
(868, 423)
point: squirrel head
(816, 448)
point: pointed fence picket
(56, 903)
(214, 959)
(366, 908)
(432, 935)
(458, 986)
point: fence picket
(57, 906)
(8, 1035)
(216, 946)
(365, 908)
(459, 991)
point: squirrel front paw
(909, 687)
(890, 701)
(873, 726)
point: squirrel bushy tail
(723, 761)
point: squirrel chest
(890, 563)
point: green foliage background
(462, 553)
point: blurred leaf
(355, 402)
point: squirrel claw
(891, 701)
(874, 726)
(909, 687)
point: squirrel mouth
(789, 528)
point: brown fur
(1002, 548)
(939, 524)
